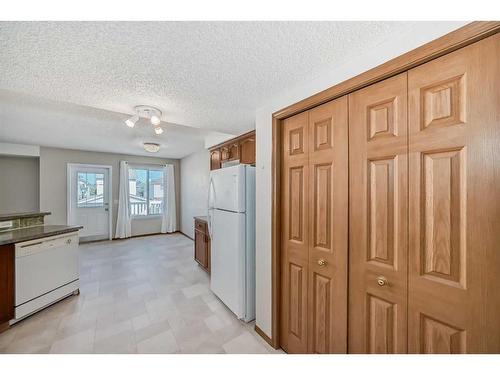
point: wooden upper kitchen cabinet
(241, 148)
(202, 243)
(215, 159)
(247, 150)
(224, 153)
(6, 285)
(234, 151)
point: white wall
(18, 184)
(195, 172)
(350, 67)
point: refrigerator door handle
(209, 206)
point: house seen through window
(90, 192)
(145, 191)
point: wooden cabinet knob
(321, 262)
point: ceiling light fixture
(151, 147)
(155, 120)
(131, 121)
(148, 112)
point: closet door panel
(454, 172)
(378, 217)
(295, 234)
(328, 234)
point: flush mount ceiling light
(145, 111)
(155, 120)
(151, 147)
(131, 121)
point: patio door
(88, 201)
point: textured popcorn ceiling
(33, 120)
(207, 75)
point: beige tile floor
(141, 295)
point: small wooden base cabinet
(7, 285)
(423, 161)
(202, 243)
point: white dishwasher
(46, 271)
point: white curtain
(169, 217)
(123, 222)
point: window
(145, 191)
(90, 192)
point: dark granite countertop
(33, 233)
(19, 215)
(202, 218)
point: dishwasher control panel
(36, 246)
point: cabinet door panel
(454, 200)
(7, 288)
(378, 217)
(200, 248)
(215, 159)
(224, 153)
(247, 150)
(234, 151)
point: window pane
(138, 191)
(155, 192)
(90, 191)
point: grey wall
(195, 173)
(53, 181)
(18, 184)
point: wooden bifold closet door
(378, 241)
(421, 151)
(454, 196)
(314, 184)
(425, 208)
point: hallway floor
(141, 295)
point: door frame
(110, 191)
(450, 42)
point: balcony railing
(141, 208)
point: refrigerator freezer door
(228, 188)
(227, 276)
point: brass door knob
(381, 281)
(321, 262)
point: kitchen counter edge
(32, 233)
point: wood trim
(459, 38)
(450, 42)
(237, 138)
(264, 336)
(276, 231)
(5, 326)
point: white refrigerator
(231, 223)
